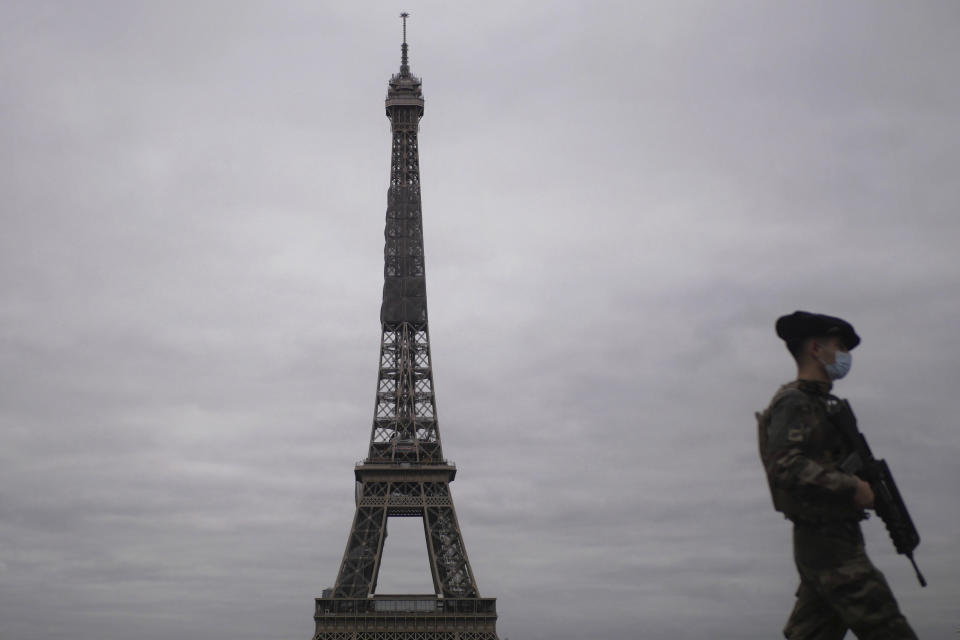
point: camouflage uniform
(840, 589)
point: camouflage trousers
(840, 589)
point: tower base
(406, 617)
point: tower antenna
(404, 66)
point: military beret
(800, 325)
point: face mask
(840, 366)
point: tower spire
(404, 65)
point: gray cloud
(618, 200)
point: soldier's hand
(863, 497)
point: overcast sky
(618, 198)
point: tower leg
(453, 612)
(361, 560)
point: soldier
(801, 450)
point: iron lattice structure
(405, 473)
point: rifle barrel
(923, 581)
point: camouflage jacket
(801, 451)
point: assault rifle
(887, 501)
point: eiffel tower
(405, 473)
